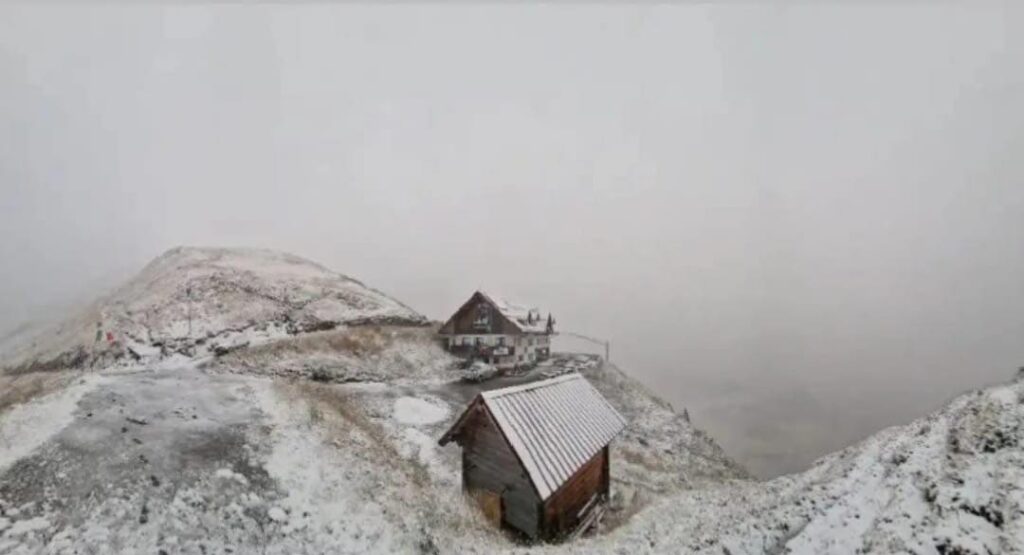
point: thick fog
(803, 224)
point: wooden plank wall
(561, 509)
(490, 464)
(462, 321)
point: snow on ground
(329, 495)
(202, 301)
(416, 411)
(136, 469)
(183, 449)
(25, 427)
(952, 482)
(190, 461)
(23, 527)
(347, 354)
(170, 455)
(186, 460)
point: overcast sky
(802, 223)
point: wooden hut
(536, 456)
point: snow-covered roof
(519, 315)
(555, 426)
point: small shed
(536, 456)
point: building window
(483, 317)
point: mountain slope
(196, 301)
(952, 482)
(157, 452)
(168, 448)
(186, 461)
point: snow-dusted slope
(190, 461)
(193, 301)
(230, 458)
(952, 482)
(350, 354)
(186, 461)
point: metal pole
(188, 304)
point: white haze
(801, 223)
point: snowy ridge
(952, 482)
(195, 302)
(175, 456)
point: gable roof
(516, 315)
(554, 426)
(519, 315)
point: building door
(490, 504)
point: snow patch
(329, 493)
(25, 526)
(277, 514)
(228, 474)
(1004, 395)
(418, 412)
(27, 426)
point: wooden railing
(482, 350)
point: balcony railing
(483, 350)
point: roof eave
(455, 428)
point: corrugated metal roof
(555, 426)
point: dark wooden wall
(490, 464)
(462, 321)
(561, 509)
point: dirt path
(135, 445)
(185, 461)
